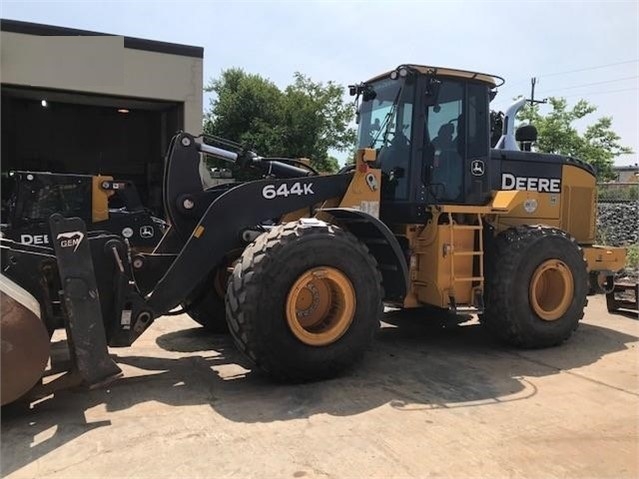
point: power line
(595, 67)
(604, 92)
(593, 83)
(601, 92)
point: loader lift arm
(209, 241)
(185, 202)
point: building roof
(38, 29)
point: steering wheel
(401, 136)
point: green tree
(330, 164)
(247, 109)
(598, 145)
(306, 119)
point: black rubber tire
(259, 286)
(593, 284)
(207, 308)
(514, 257)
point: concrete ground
(424, 403)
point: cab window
(478, 121)
(445, 141)
(386, 124)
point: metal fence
(617, 192)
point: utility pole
(533, 81)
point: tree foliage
(598, 145)
(304, 120)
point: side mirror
(366, 91)
(369, 94)
(432, 91)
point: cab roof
(493, 80)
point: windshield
(385, 124)
(374, 114)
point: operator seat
(447, 163)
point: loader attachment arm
(84, 323)
(185, 200)
(220, 228)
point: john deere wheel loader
(300, 265)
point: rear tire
(536, 287)
(304, 301)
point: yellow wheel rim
(320, 306)
(551, 289)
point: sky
(584, 49)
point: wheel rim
(551, 290)
(320, 306)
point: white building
(87, 102)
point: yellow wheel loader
(300, 265)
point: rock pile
(618, 223)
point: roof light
(399, 73)
(123, 110)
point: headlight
(399, 73)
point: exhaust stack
(507, 140)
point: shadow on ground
(628, 313)
(411, 366)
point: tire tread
(247, 281)
(505, 258)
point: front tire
(304, 301)
(206, 305)
(536, 287)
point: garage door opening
(68, 132)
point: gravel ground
(424, 403)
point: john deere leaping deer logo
(477, 168)
(146, 231)
(72, 239)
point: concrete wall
(101, 64)
(627, 175)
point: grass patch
(632, 256)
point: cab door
(456, 143)
(477, 154)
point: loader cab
(431, 130)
